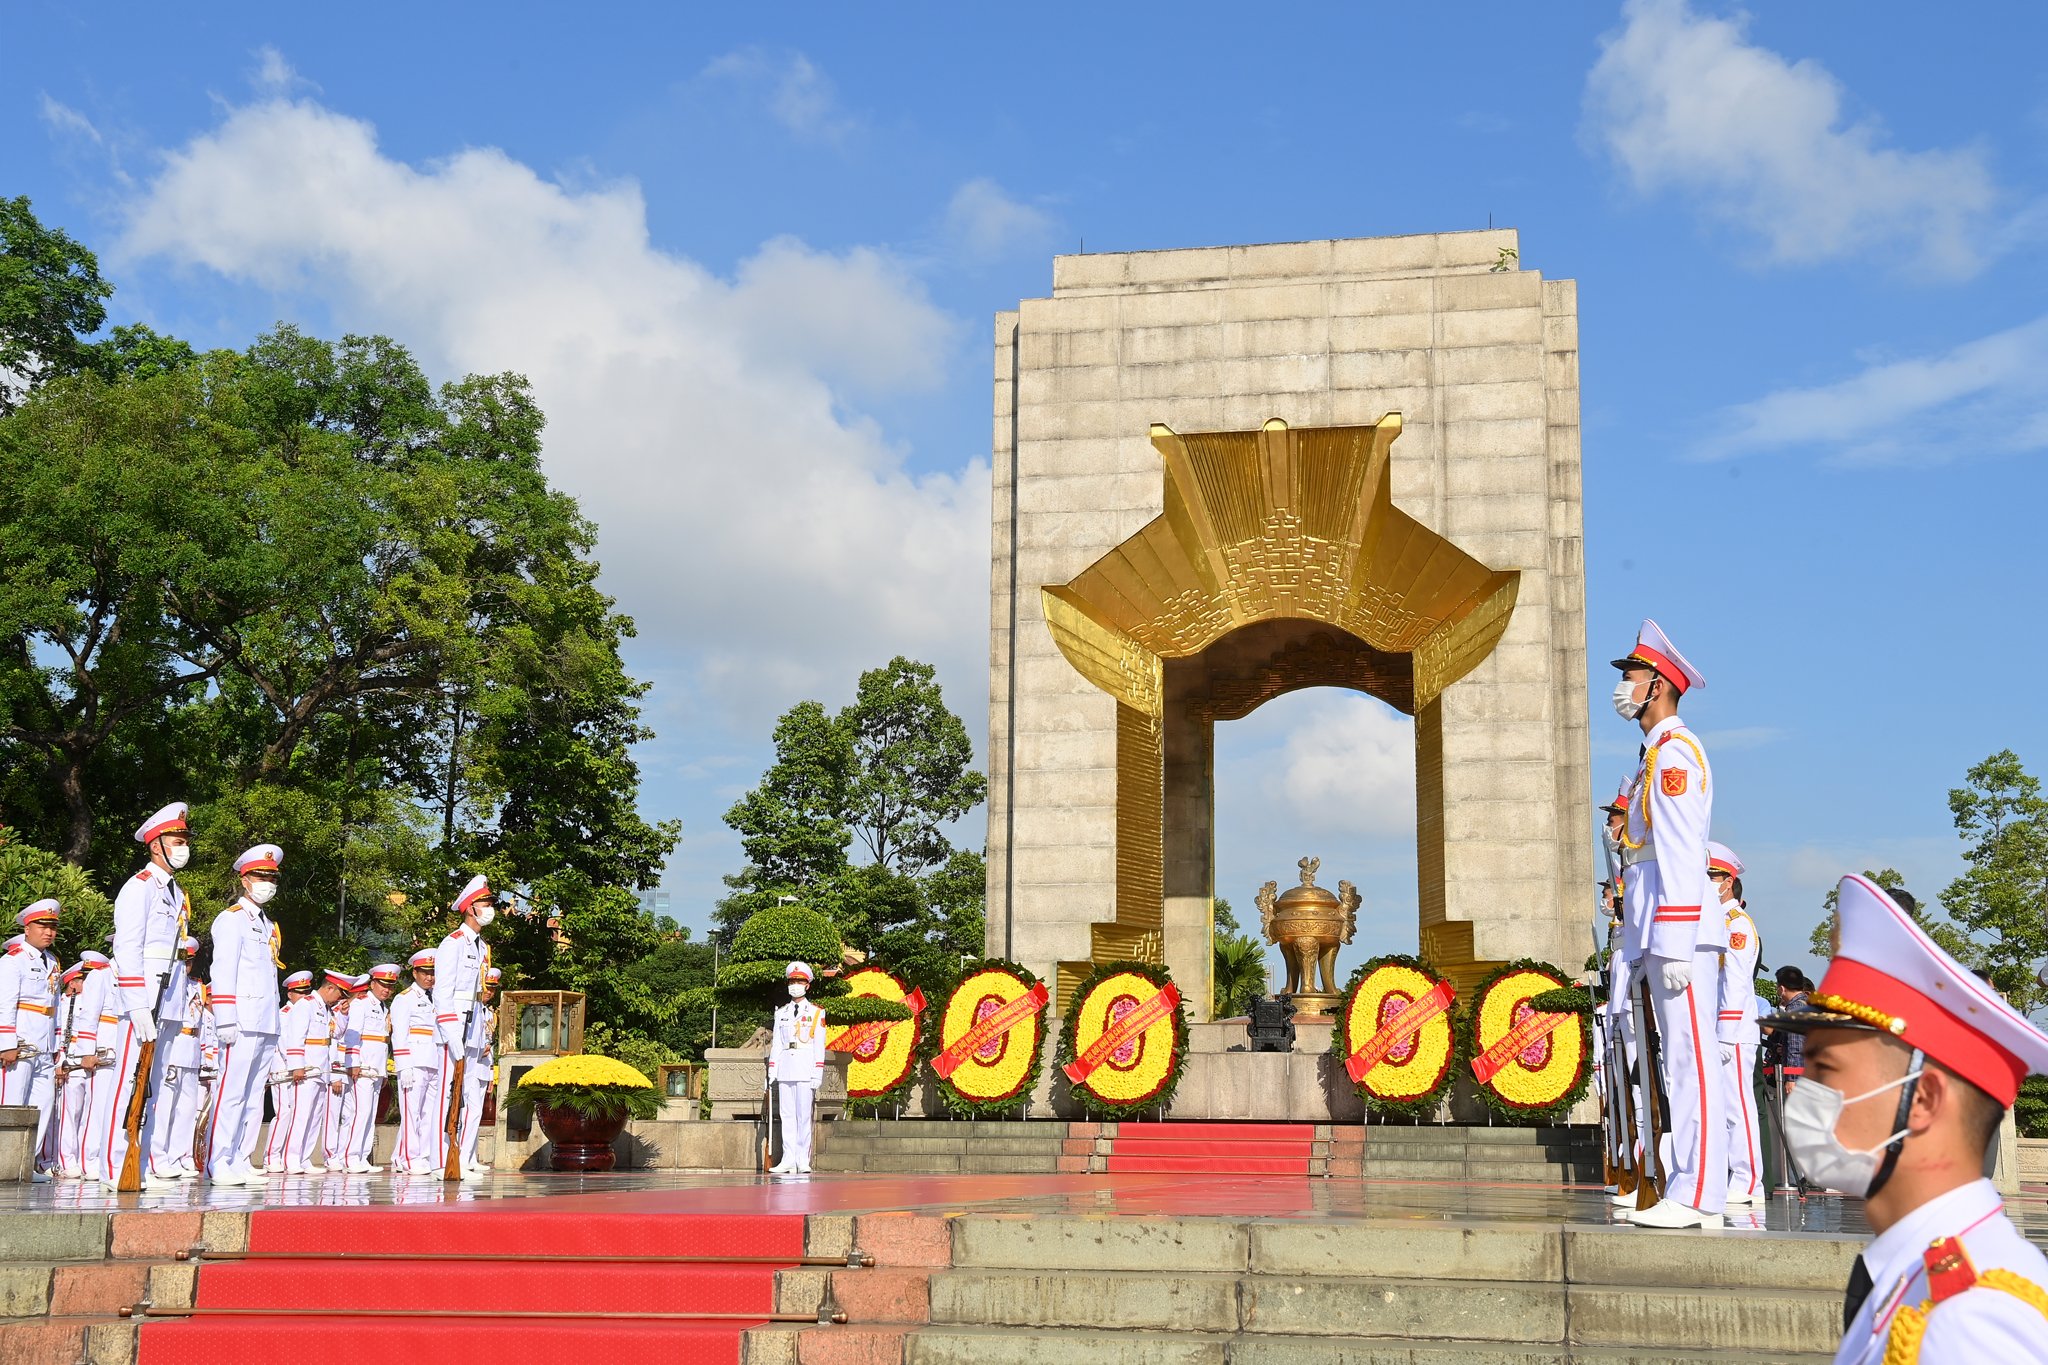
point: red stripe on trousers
(1699, 1066)
(1742, 1095)
(227, 1055)
(447, 1097)
(114, 1121)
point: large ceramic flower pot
(578, 1143)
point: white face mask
(177, 855)
(263, 893)
(485, 914)
(1811, 1112)
(797, 989)
(1625, 704)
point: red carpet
(1212, 1148)
(323, 1287)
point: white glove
(144, 1026)
(1728, 1054)
(228, 1034)
(1676, 973)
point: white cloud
(800, 96)
(984, 221)
(766, 538)
(276, 76)
(1988, 396)
(1349, 767)
(1686, 103)
(69, 122)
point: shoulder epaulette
(13, 948)
(143, 875)
(1949, 1270)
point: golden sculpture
(1308, 924)
(1273, 525)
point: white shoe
(1669, 1213)
(110, 1186)
(70, 1173)
(1623, 1201)
(40, 1178)
(1748, 1199)
(425, 1168)
(230, 1175)
(782, 1167)
(253, 1169)
(183, 1172)
(152, 1181)
(298, 1170)
(361, 1168)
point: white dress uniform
(174, 1103)
(1625, 972)
(1673, 918)
(150, 912)
(479, 1057)
(338, 1110)
(84, 1021)
(796, 1064)
(307, 1043)
(459, 966)
(369, 1031)
(246, 1020)
(1739, 1036)
(1950, 1280)
(417, 1056)
(28, 1022)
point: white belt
(465, 998)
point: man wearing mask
(246, 1018)
(77, 1025)
(796, 1063)
(1738, 1028)
(28, 1018)
(459, 966)
(1673, 934)
(150, 913)
(1911, 1063)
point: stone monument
(1200, 503)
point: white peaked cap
(1655, 650)
(169, 820)
(798, 971)
(261, 858)
(474, 889)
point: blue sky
(749, 256)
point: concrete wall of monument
(1483, 365)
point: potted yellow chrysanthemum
(583, 1103)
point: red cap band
(1929, 1026)
(1669, 671)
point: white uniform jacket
(1737, 1022)
(369, 1036)
(179, 1039)
(149, 920)
(458, 972)
(28, 999)
(1980, 1323)
(91, 1012)
(483, 1033)
(797, 1054)
(307, 1036)
(244, 972)
(412, 1030)
(1668, 821)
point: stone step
(952, 1345)
(1543, 1172)
(956, 1146)
(939, 1163)
(1501, 1135)
(1437, 1309)
(1046, 1128)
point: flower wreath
(1545, 1079)
(882, 1053)
(1143, 1071)
(997, 1078)
(1410, 1081)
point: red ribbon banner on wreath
(1399, 1029)
(1122, 1031)
(1532, 1030)
(997, 1023)
(858, 1036)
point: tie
(1856, 1293)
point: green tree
(793, 825)
(51, 298)
(2001, 900)
(28, 874)
(1238, 965)
(911, 774)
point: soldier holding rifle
(459, 966)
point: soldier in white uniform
(74, 1082)
(341, 1094)
(150, 913)
(308, 1043)
(480, 1057)
(1738, 1029)
(369, 1031)
(1622, 978)
(174, 1103)
(796, 1064)
(246, 1018)
(1675, 936)
(28, 1018)
(417, 1057)
(289, 1068)
(1911, 1063)
(459, 966)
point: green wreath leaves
(1418, 1107)
(998, 1106)
(1467, 1031)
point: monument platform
(1203, 1269)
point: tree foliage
(2001, 900)
(1238, 965)
(51, 298)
